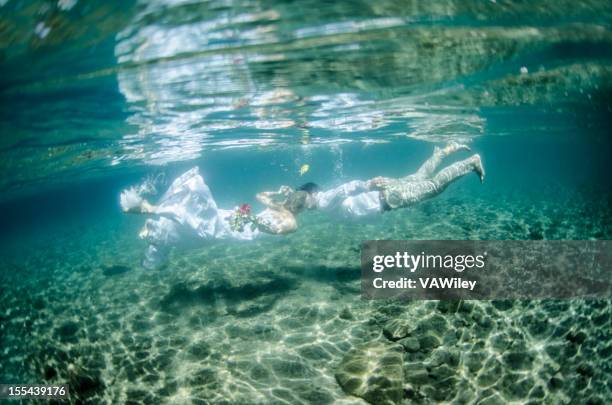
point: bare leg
(428, 168)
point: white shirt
(352, 199)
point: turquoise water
(95, 96)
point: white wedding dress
(187, 210)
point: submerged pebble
(115, 270)
(374, 372)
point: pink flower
(245, 209)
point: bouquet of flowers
(241, 217)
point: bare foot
(453, 147)
(478, 167)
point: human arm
(132, 202)
(267, 198)
(377, 183)
(332, 198)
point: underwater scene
(186, 186)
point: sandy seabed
(281, 321)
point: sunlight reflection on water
(157, 82)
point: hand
(285, 190)
(377, 183)
(144, 232)
(131, 201)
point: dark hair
(309, 187)
(296, 201)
